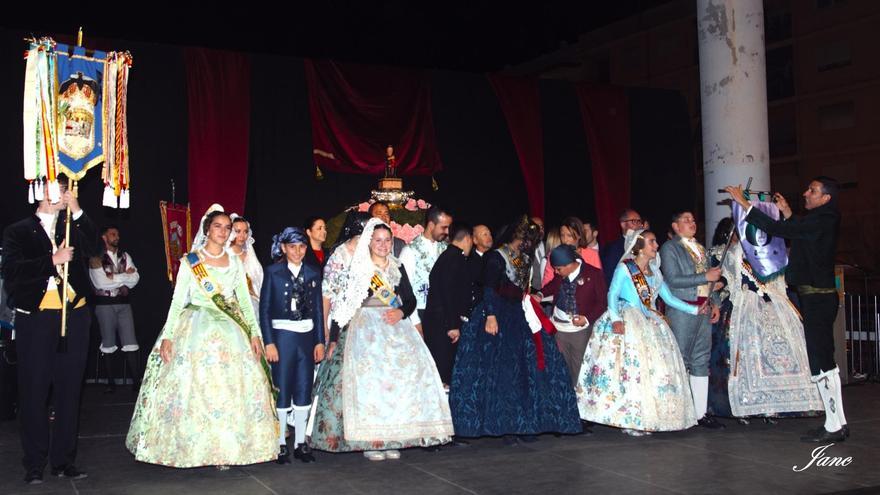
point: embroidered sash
(643, 288)
(229, 308)
(384, 291)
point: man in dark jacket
(292, 323)
(811, 271)
(611, 252)
(580, 296)
(449, 300)
(34, 254)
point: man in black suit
(477, 260)
(34, 254)
(811, 271)
(611, 253)
(449, 300)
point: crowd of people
(374, 345)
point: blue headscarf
(290, 235)
(563, 255)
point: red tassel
(546, 324)
(548, 327)
(539, 350)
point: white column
(733, 93)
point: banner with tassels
(74, 118)
(177, 231)
(39, 114)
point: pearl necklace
(212, 256)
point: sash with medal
(643, 289)
(384, 292)
(229, 308)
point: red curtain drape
(358, 110)
(521, 104)
(218, 92)
(605, 111)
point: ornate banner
(177, 230)
(766, 254)
(80, 103)
(74, 117)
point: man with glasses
(686, 271)
(613, 251)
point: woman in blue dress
(633, 376)
(509, 377)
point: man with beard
(114, 275)
(811, 270)
(420, 255)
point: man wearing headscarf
(580, 296)
(292, 322)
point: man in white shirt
(114, 274)
(419, 256)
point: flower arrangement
(407, 222)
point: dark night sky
(458, 35)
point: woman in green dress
(206, 398)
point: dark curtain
(218, 97)
(662, 166)
(521, 103)
(358, 110)
(605, 112)
(568, 179)
(481, 182)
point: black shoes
(587, 427)
(70, 472)
(34, 477)
(459, 443)
(821, 435)
(710, 423)
(283, 455)
(304, 453)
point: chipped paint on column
(733, 95)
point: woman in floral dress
(206, 398)
(379, 391)
(633, 376)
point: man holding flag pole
(811, 270)
(74, 118)
(34, 256)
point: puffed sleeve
(179, 300)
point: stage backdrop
(481, 180)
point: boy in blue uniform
(292, 323)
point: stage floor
(757, 458)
